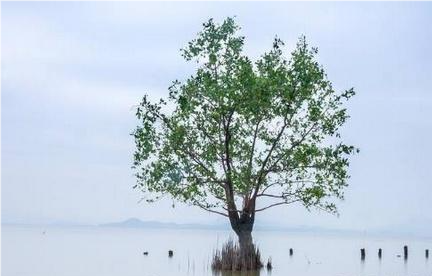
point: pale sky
(72, 72)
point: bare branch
(275, 142)
(270, 195)
(253, 147)
(271, 185)
(196, 203)
(277, 204)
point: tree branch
(283, 195)
(259, 178)
(292, 147)
(276, 204)
(196, 203)
(229, 190)
(253, 148)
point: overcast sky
(72, 72)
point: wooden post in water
(379, 253)
(405, 252)
(362, 254)
(291, 251)
(427, 253)
(269, 264)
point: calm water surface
(100, 251)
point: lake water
(103, 251)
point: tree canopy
(242, 130)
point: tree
(245, 136)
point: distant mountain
(263, 226)
(422, 229)
(137, 223)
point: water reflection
(123, 255)
(237, 273)
(362, 266)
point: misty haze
(291, 139)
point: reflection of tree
(236, 273)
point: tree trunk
(243, 223)
(245, 240)
(246, 256)
(249, 256)
(243, 228)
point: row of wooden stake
(405, 250)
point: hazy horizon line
(156, 224)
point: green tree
(245, 136)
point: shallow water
(103, 251)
